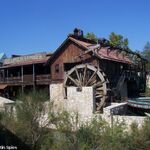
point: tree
(146, 51)
(91, 36)
(118, 40)
(114, 39)
(146, 54)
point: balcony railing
(27, 79)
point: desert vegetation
(63, 131)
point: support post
(7, 75)
(3, 74)
(22, 78)
(22, 73)
(33, 76)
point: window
(57, 68)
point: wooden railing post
(33, 76)
(7, 75)
(22, 73)
(22, 78)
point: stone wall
(80, 101)
(148, 81)
(128, 120)
(116, 113)
(116, 109)
(57, 95)
(56, 91)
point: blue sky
(29, 26)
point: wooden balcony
(27, 80)
(43, 79)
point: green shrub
(140, 137)
(96, 135)
(25, 123)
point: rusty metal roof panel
(113, 55)
(104, 53)
(82, 43)
(26, 60)
(25, 63)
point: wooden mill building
(113, 72)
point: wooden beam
(3, 74)
(91, 77)
(78, 76)
(84, 74)
(22, 73)
(22, 79)
(75, 82)
(7, 74)
(22, 87)
(33, 76)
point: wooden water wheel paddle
(85, 75)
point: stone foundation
(80, 101)
(83, 103)
(148, 81)
(57, 96)
(117, 113)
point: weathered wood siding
(69, 54)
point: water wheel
(85, 75)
